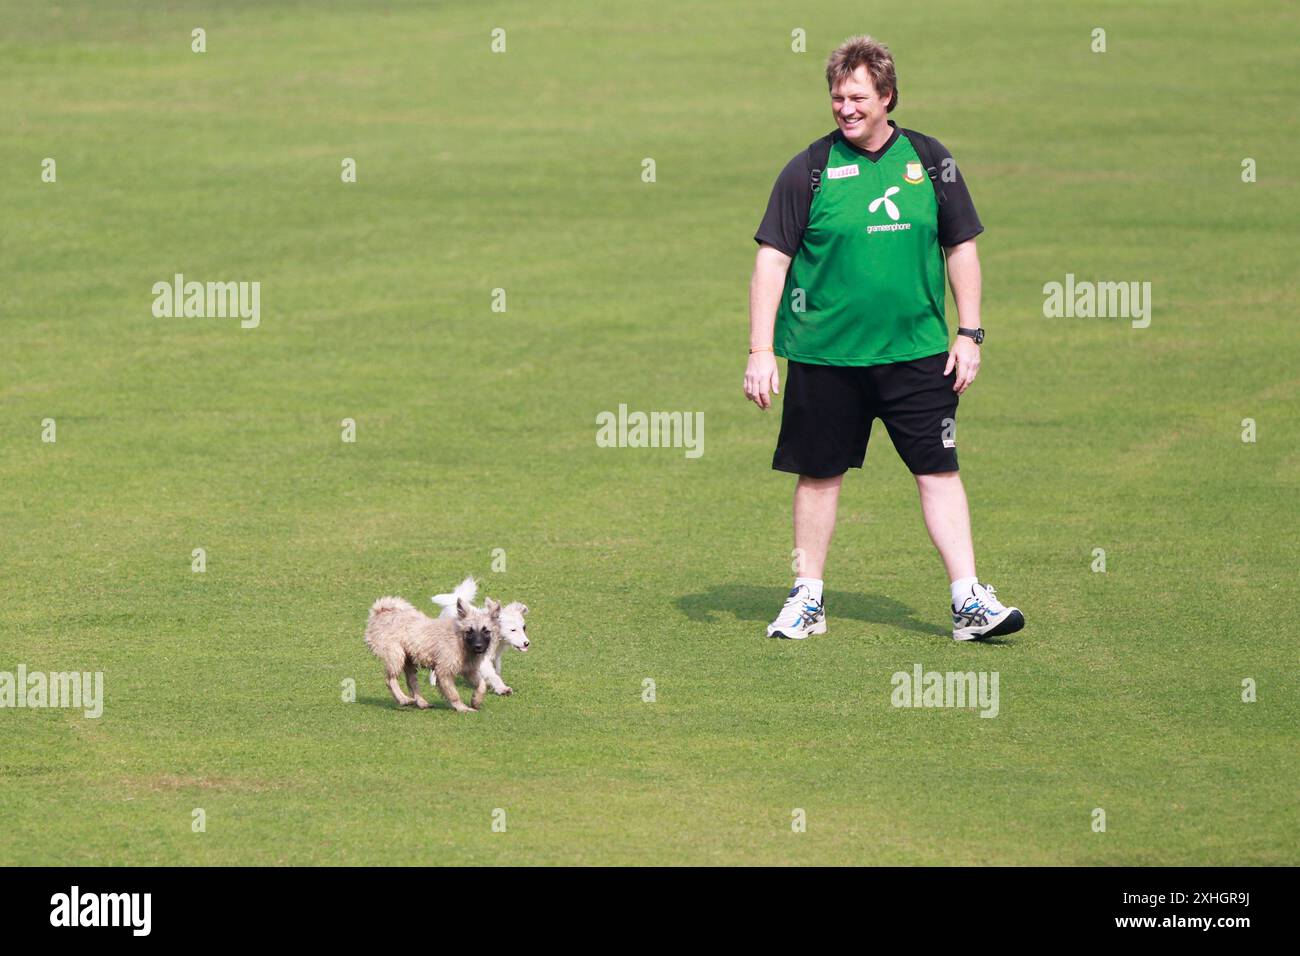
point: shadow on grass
(747, 602)
(435, 700)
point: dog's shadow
(435, 699)
(387, 703)
(746, 602)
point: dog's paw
(505, 692)
(423, 704)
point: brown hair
(875, 56)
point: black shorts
(827, 413)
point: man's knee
(806, 481)
(938, 476)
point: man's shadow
(747, 602)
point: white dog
(511, 630)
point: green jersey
(866, 278)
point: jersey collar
(869, 154)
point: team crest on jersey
(915, 173)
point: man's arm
(765, 288)
(964, 278)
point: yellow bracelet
(762, 348)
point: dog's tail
(383, 631)
(465, 591)
(385, 604)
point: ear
(462, 609)
(492, 607)
(519, 606)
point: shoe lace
(798, 606)
(992, 603)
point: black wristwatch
(976, 334)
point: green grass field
(475, 431)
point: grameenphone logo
(890, 209)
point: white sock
(814, 586)
(961, 590)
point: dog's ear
(462, 609)
(492, 607)
(519, 607)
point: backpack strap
(925, 151)
(819, 154)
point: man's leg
(919, 407)
(815, 503)
(977, 612)
(947, 518)
(825, 426)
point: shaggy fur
(407, 640)
(512, 631)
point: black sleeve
(958, 220)
(786, 218)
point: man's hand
(965, 355)
(761, 375)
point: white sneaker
(801, 617)
(983, 615)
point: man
(848, 286)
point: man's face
(859, 110)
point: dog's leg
(413, 682)
(402, 699)
(477, 700)
(447, 684)
(488, 673)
